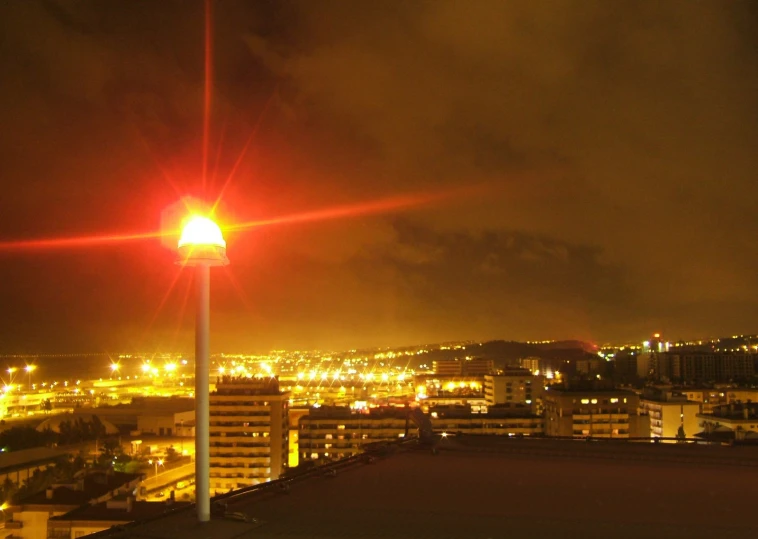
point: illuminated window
(614, 401)
(594, 401)
(585, 401)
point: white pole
(202, 390)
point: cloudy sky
(587, 170)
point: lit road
(169, 476)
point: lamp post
(157, 462)
(202, 246)
(30, 369)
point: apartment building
(704, 367)
(338, 432)
(514, 386)
(671, 414)
(463, 367)
(89, 519)
(532, 364)
(597, 413)
(30, 516)
(731, 421)
(249, 433)
(504, 420)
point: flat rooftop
(104, 511)
(492, 487)
(93, 486)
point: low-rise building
(737, 421)
(167, 423)
(501, 420)
(337, 432)
(671, 414)
(463, 367)
(514, 386)
(102, 516)
(719, 395)
(595, 413)
(30, 516)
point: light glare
(201, 231)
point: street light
(157, 463)
(30, 369)
(202, 245)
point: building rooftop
(582, 390)
(116, 511)
(493, 411)
(92, 486)
(487, 487)
(512, 371)
(343, 412)
(242, 385)
(746, 411)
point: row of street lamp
(29, 370)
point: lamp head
(202, 243)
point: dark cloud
(618, 138)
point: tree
(25, 438)
(680, 435)
(8, 490)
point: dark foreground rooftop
(494, 487)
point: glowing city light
(201, 231)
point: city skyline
(586, 174)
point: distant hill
(503, 352)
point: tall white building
(249, 433)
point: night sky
(588, 170)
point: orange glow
(76, 242)
(657, 335)
(208, 89)
(359, 209)
(200, 230)
(373, 207)
(243, 152)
